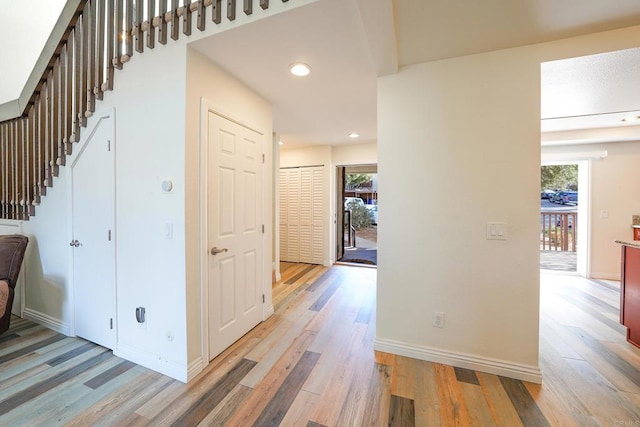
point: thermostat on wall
(167, 185)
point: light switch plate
(497, 231)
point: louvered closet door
(284, 217)
(318, 217)
(306, 215)
(293, 216)
(302, 236)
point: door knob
(74, 243)
(216, 251)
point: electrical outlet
(438, 319)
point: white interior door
(92, 211)
(235, 234)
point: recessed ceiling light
(299, 69)
(280, 143)
(354, 135)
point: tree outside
(559, 177)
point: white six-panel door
(235, 233)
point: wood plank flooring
(312, 364)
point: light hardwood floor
(313, 364)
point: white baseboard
(153, 362)
(461, 360)
(46, 320)
(195, 368)
(605, 276)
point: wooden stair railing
(100, 38)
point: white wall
(454, 136)
(615, 184)
(355, 154)
(149, 146)
(230, 97)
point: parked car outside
(566, 197)
(349, 202)
(546, 194)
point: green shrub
(361, 217)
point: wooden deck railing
(558, 231)
(101, 37)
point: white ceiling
(337, 98)
(348, 43)
(340, 95)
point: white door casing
(234, 223)
(92, 177)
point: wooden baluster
(48, 125)
(12, 172)
(84, 66)
(216, 11)
(186, 18)
(62, 158)
(100, 61)
(16, 169)
(7, 171)
(202, 16)
(151, 30)
(119, 40)
(29, 164)
(55, 131)
(231, 10)
(68, 111)
(248, 7)
(128, 35)
(175, 22)
(264, 4)
(33, 144)
(24, 154)
(4, 159)
(10, 169)
(77, 78)
(90, 39)
(162, 33)
(42, 135)
(13, 144)
(139, 34)
(112, 39)
(3, 167)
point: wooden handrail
(98, 37)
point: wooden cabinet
(630, 293)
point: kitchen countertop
(634, 243)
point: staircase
(101, 37)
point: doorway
(357, 214)
(564, 217)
